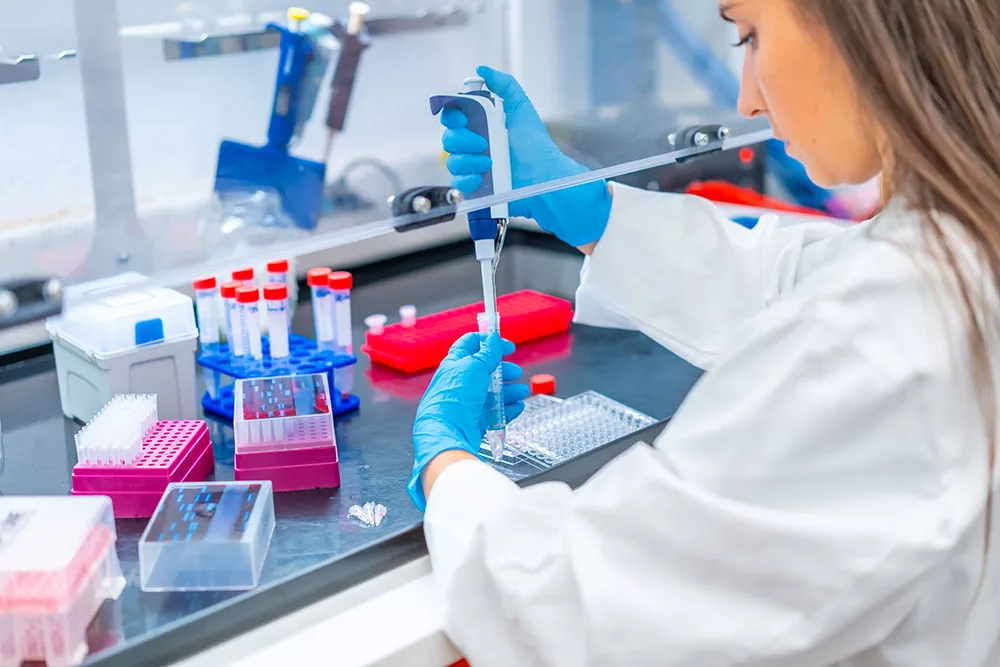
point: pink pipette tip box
(291, 470)
(172, 451)
(57, 568)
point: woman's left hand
(452, 411)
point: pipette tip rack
(524, 316)
(284, 433)
(58, 566)
(172, 451)
(304, 358)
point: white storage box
(124, 336)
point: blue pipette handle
(295, 51)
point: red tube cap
(341, 280)
(275, 292)
(228, 290)
(543, 384)
(278, 266)
(207, 282)
(243, 274)
(318, 277)
(247, 295)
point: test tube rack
(172, 451)
(305, 358)
(284, 433)
(58, 566)
(524, 316)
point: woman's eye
(750, 39)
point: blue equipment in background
(299, 182)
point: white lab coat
(817, 500)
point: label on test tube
(208, 321)
(341, 283)
(276, 298)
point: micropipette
(488, 226)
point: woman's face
(793, 74)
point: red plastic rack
(172, 451)
(524, 316)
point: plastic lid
(543, 384)
(276, 291)
(45, 533)
(116, 319)
(341, 280)
(247, 295)
(246, 273)
(318, 277)
(228, 290)
(278, 266)
(204, 283)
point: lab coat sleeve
(677, 269)
(784, 518)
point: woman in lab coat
(824, 496)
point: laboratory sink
(317, 550)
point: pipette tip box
(123, 335)
(207, 536)
(57, 567)
(524, 316)
(172, 451)
(305, 358)
(284, 432)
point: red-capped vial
(322, 306)
(277, 272)
(543, 384)
(340, 284)
(205, 294)
(248, 299)
(276, 302)
(231, 313)
(244, 275)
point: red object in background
(524, 316)
(543, 384)
(727, 193)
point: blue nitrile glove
(451, 414)
(578, 215)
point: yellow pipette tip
(297, 14)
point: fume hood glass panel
(46, 195)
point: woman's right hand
(577, 215)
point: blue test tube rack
(305, 358)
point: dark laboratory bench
(316, 550)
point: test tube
(408, 315)
(319, 284)
(244, 276)
(208, 321)
(340, 283)
(276, 301)
(277, 273)
(496, 421)
(234, 332)
(376, 324)
(248, 299)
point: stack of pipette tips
(369, 515)
(114, 436)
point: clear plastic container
(284, 413)
(564, 430)
(58, 565)
(276, 302)
(207, 536)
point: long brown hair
(929, 73)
